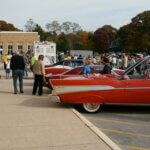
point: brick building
(11, 41)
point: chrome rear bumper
(55, 99)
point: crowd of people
(112, 61)
(21, 64)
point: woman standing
(39, 75)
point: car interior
(137, 75)
(142, 71)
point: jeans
(26, 70)
(32, 68)
(38, 81)
(18, 74)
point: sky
(89, 14)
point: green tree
(135, 36)
(62, 42)
(40, 31)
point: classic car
(77, 71)
(95, 90)
(62, 66)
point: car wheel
(91, 107)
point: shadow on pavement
(6, 92)
(28, 84)
(116, 109)
(41, 102)
(126, 109)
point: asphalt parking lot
(127, 126)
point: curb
(98, 132)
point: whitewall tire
(91, 107)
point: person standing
(94, 60)
(7, 68)
(17, 65)
(114, 61)
(69, 57)
(119, 62)
(80, 57)
(39, 75)
(25, 58)
(124, 61)
(132, 62)
(5, 59)
(33, 60)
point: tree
(75, 27)
(136, 35)
(62, 42)
(40, 31)
(69, 27)
(91, 39)
(30, 25)
(141, 27)
(53, 27)
(4, 26)
(103, 37)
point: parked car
(77, 71)
(62, 66)
(96, 90)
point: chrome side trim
(75, 89)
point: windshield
(129, 69)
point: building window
(29, 47)
(52, 49)
(20, 48)
(1, 49)
(10, 49)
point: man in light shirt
(33, 60)
(124, 61)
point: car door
(137, 91)
(116, 95)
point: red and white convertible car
(62, 66)
(74, 72)
(96, 90)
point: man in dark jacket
(17, 65)
(107, 68)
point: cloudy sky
(89, 14)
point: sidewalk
(36, 123)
